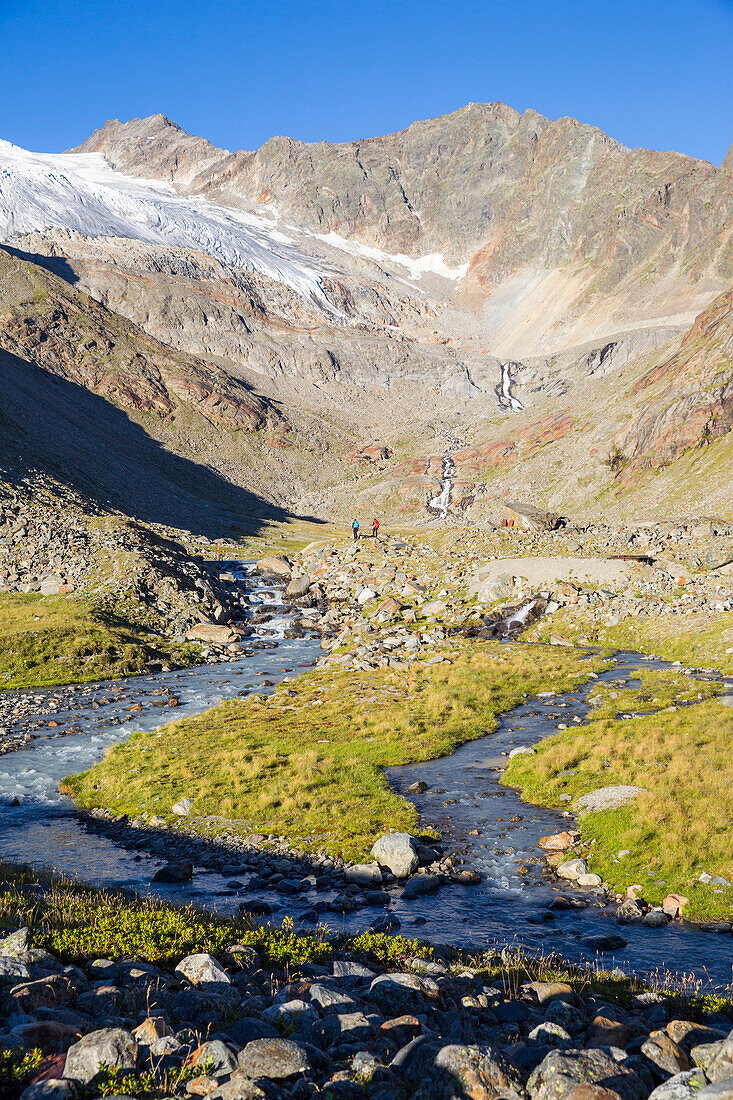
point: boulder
(665, 1056)
(561, 1071)
(298, 586)
(716, 559)
(420, 885)
(12, 971)
(210, 633)
(572, 869)
(202, 971)
(433, 609)
(111, 1047)
(182, 808)
(50, 1089)
(364, 874)
(398, 993)
(397, 852)
(673, 905)
(683, 1086)
(215, 1058)
(557, 842)
(275, 1059)
(181, 870)
(630, 911)
(479, 1071)
(238, 1087)
(275, 565)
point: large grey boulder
(298, 586)
(475, 1071)
(421, 885)
(364, 874)
(397, 993)
(17, 944)
(110, 1046)
(665, 1055)
(397, 852)
(202, 971)
(683, 1086)
(275, 565)
(721, 1065)
(238, 1087)
(276, 1059)
(12, 971)
(572, 869)
(716, 559)
(559, 1073)
(215, 1059)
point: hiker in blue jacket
(355, 529)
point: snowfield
(80, 191)
(417, 266)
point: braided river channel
(478, 818)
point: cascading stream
(479, 819)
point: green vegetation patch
(658, 689)
(79, 923)
(677, 828)
(689, 637)
(309, 762)
(50, 640)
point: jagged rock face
(72, 337)
(484, 184)
(687, 396)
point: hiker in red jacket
(375, 528)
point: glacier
(82, 192)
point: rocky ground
(234, 1028)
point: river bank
(114, 996)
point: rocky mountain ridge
(377, 298)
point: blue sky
(656, 74)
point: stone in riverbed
(589, 879)
(420, 885)
(364, 874)
(630, 911)
(276, 565)
(397, 852)
(179, 871)
(604, 943)
(572, 869)
(298, 586)
(211, 633)
(557, 842)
